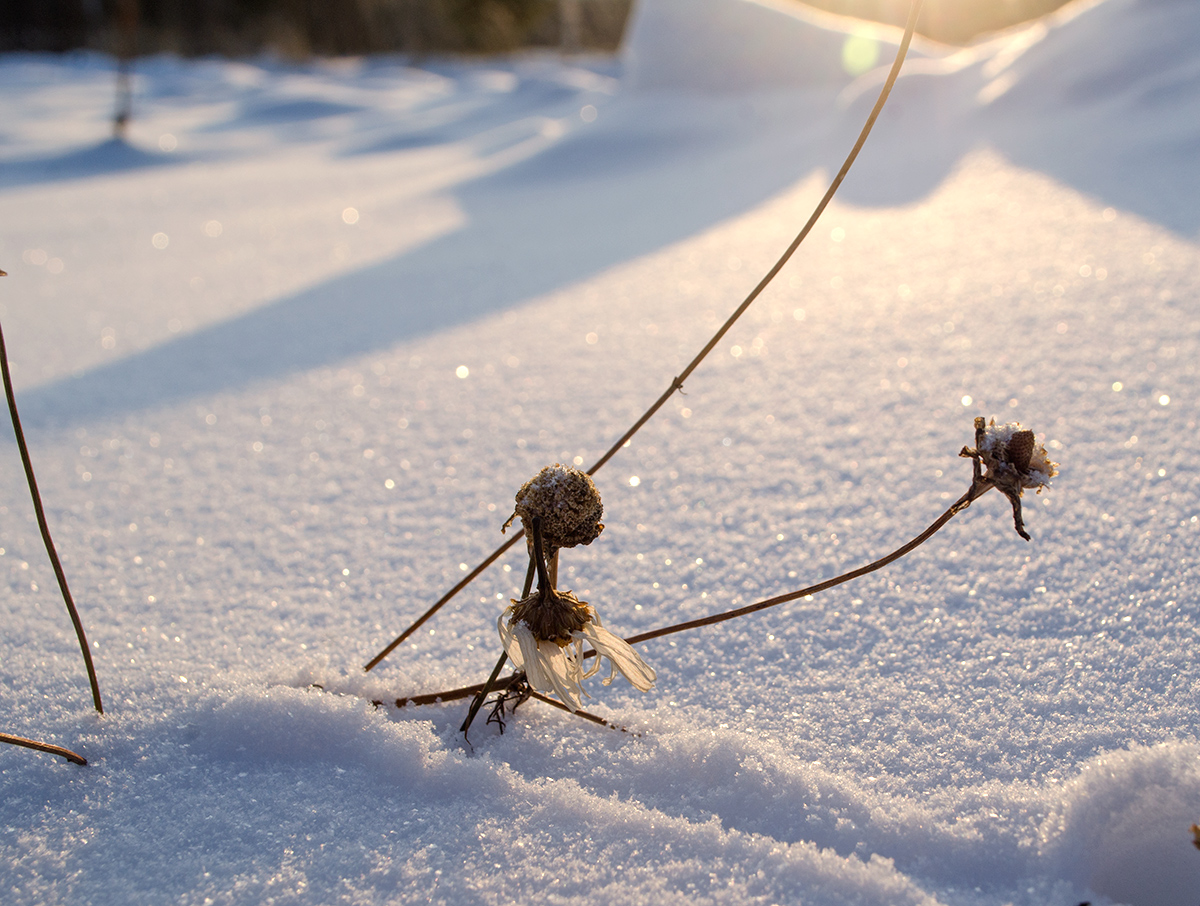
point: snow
(286, 356)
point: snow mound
(1123, 826)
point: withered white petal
(561, 665)
(557, 669)
(508, 638)
(621, 655)
(549, 667)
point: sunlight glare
(859, 53)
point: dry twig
(43, 747)
(43, 526)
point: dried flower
(1014, 461)
(555, 665)
(1012, 450)
(567, 503)
(544, 635)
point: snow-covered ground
(286, 356)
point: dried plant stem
(463, 583)
(978, 488)
(578, 712)
(450, 695)
(43, 747)
(677, 382)
(127, 26)
(477, 703)
(44, 528)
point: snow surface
(269, 444)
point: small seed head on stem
(1011, 453)
(1013, 461)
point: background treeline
(298, 28)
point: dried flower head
(567, 503)
(1013, 451)
(1013, 461)
(552, 615)
(544, 635)
(554, 664)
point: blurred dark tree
(492, 25)
(298, 28)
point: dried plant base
(439, 698)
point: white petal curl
(640, 674)
(558, 669)
(549, 667)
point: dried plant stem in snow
(43, 747)
(677, 382)
(976, 491)
(1014, 462)
(43, 526)
(579, 712)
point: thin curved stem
(46, 747)
(45, 528)
(974, 493)
(677, 381)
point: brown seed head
(566, 501)
(1012, 454)
(1014, 462)
(1020, 448)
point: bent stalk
(44, 528)
(46, 747)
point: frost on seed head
(1014, 450)
(566, 501)
(1014, 462)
